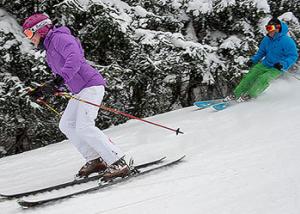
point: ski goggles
(271, 28)
(29, 32)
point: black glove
(58, 81)
(52, 86)
(278, 66)
(36, 93)
(249, 63)
(48, 88)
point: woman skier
(65, 57)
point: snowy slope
(241, 160)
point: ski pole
(41, 101)
(294, 75)
(118, 112)
(48, 106)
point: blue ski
(207, 103)
(220, 106)
(223, 105)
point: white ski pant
(78, 124)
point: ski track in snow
(240, 160)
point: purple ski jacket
(65, 57)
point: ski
(74, 182)
(207, 103)
(221, 106)
(28, 204)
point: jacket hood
(52, 32)
(62, 29)
(284, 28)
(284, 31)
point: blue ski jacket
(279, 49)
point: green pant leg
(246, 83)
(263, 81)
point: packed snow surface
(244, 159)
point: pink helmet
(43, 20)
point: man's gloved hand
(278, 66)
(249, 63)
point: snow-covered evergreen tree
(20, 68)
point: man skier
(277, 53)
(65, 57)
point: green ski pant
(256, 81)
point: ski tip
(179, 159)
(23, 203)
(182, 157)
(27, 204)
(203, 104)
(163, 158)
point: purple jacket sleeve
(69, 49)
